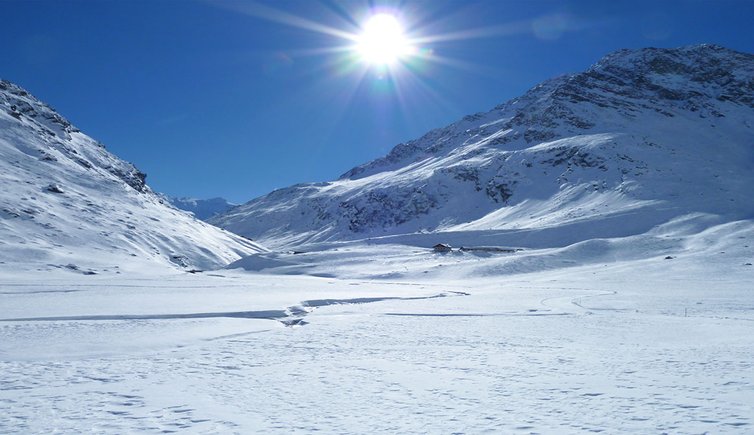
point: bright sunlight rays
(389, 50)
(382, 41)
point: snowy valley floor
(642, 346)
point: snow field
(631, 346)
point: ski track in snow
(291, 316)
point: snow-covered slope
(67, 202)
(202, 208)
(640, 138)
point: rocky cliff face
(659, 132)
(66, 201)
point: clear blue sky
(236, 99)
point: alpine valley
(575, 260)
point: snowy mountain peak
(68, 203)
(658, 132)
(18, 102)
(626, 81)
(696, 61)
(57, 136)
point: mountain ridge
(69, 203)
(566, 86)
(628, 133)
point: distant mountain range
(641, 138)
(66, 202)
(202, 208)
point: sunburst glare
(391, 50)
(382, 41)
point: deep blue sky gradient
(211, 99)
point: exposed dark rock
(54, 188)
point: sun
(382, 41)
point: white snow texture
(67, 201)
(600, 277)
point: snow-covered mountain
(639, 139)
(67, 202)
(202, 208)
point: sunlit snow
(592, 273)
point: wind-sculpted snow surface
(68, 203)
(551, 343)
(656, 133)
